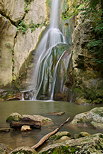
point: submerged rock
(89, 144)
(5, 130)
(24, 150)
(93, 117)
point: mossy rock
(83, 134)
(93, 117)
(14, 117)
(59, 135)
(89, 144)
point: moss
(62, 150)
(14, 117)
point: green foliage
(48, 2)
(92, 9)
(33, 26)
(22, 27)
(72, 10)
(26, 9)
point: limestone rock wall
(87, 84)
(21, 24)
(7, 36)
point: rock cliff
(85, 78)
(22, 22)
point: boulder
(34, 121)
(93, 117)
(39, 118)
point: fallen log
(19, 124)
(46, 137)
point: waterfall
(48, 56)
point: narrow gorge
(51, 69)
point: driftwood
(46, 137)
(56, 113)
(32, 124)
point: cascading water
(48, 56)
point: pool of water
(16, 138)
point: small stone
(63, 133)
(65, 138)
(25, 128)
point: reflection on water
(15, 139)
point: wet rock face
(93, 117)
(20, 28)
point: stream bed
(16, 138)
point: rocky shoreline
(62, 142)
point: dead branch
(46, 137)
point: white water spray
(46, 51)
